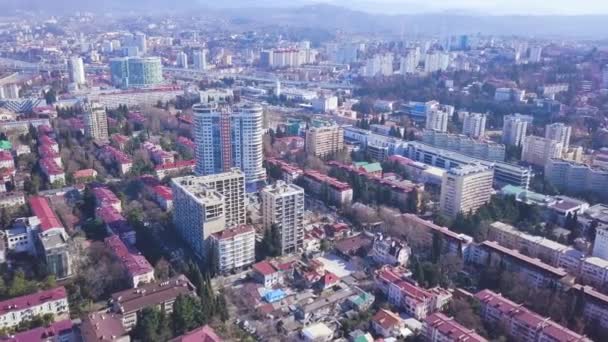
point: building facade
(514, 129)
(559, 132)
(95, 122)
(465, 189)
(537, 151)
(228, 137)
(474, 125)
(324, 141)
(283, 206)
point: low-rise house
(60, 331)
(390, 251)
(10, 200)
(440, 328)
(160, 295)
(202, 334)
(522, 324)
(137, 269)
(175, 168)
(104, 327)
(387, 324)
(267, 274)
(17, 310)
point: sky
(527, 7)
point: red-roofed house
(202, 334)
(387, 323)
(6, 160)
(414, 300)
(328, 280)
(16, 310)
(267, 274)
(52, 170)
(137, 268)
(85, 175)
(520, 323)
(54, 332)
(105, 197)
(48, 220)
(175, 168)
(163, 196)
(440, 328)
(336, 192)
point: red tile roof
(50, 166)
(32, 300)
(230, 233)
(132, 260)
(322, 178)
(264, 268)
(42, 333)
(451, 329)
(46, 215)
(86, 173)
(202, 334)
(164, 192)
(386, 319)
(105, 196)
(6, 156)
(176, 165)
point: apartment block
(467, 145)
(160, 295)
(514, 128)
(437, 120)
(20, 309)
(572, 177)
(324, 141)
(594, 272)
(538, 151)
(522, 324)
(440, 328)
(535, 272)
(474, 124)
(235, 248)
(420, 235)
(283, 206)
(198, 212)
(95, 122)
(414, 300)
(559, 132)
(465, 189)
(327, 188)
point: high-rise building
(535, 54)
(560, 133)
(437, 120)
(409, 63)
(379, 65)
(474, 125)
(537, 150)
(141, 43)
(198, 212)
(324, 140)
(200, 60)
(136, 71)
(577, 178)
(283, 208)
(95, 121)
(76, 69)
(436, 61)
(465, 189)
(514, 129)
(182, 60)
(231, 185)
(605, 76)
(235, 248)
(228, 137)
(600, 245)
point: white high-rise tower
(76, 69)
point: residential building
(203, 334)
(465, 189)
(76, 70)
(420, 234)
(437, 120)
(283, 207)
(520, 323)
(59, 331)
(199, 58)
(235, 248)
(576, 178)
(594, 272)
(600, 245)
(268, 274)
(20, 309)
(537, 151)
(440, 328)
(436, 61)
(324, 141)
(474, 125)
(136, 71)
(535, 54)
(228, 137)
(95, 122)
(504, 173)
(11, 200)
(535, 272)
(514, 129)
(137, 269)
(160, 295)
(198, 212)
(595, 304)
(103, 326)
(329, 189)
(414, 300)
(559, 132)
(390, 251)
(379, 65)
(182, 60)
(487, 150)
(548, 251)
(231, 185)
(387, 323)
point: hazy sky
(567, 7)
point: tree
(50, 96)
(184, 316)
(148, 324)
(162, 269)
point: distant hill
(300, 13)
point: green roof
(5, 145)
(369, 167)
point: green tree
(184, 314)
